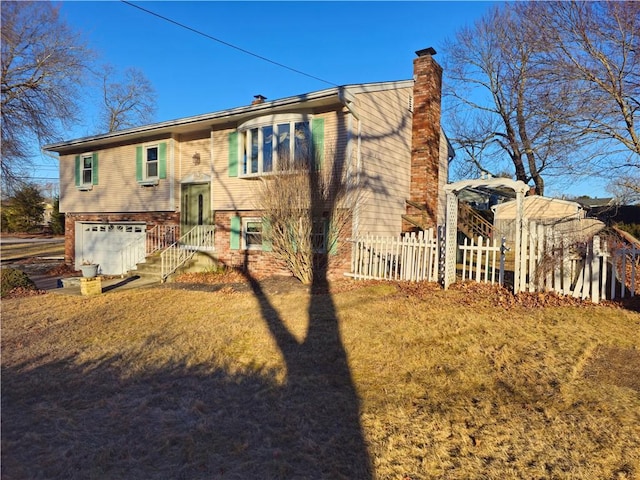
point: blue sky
(338, 42)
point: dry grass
(385, 382)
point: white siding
(117, 189)
(385, 157)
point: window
(151, 163)
(151, 156)
(275, 144)
(252, 233)
(318, 236)
(87, 170)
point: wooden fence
(412, 257)
(589, 269)
(625, 265)
(482, 260)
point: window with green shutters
(276, 143)
(151, 162)
(86, 170)
(249, 233)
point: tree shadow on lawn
(72, 420)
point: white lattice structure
(452, 190)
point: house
(159, 181)
(567, 217)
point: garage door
(115, 247)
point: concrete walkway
(71, 285)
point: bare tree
(491, 67)
(43, 66)
(306, 210)
(594, 55)
(553, 85)
(626, 189)
(126, 102)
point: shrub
(24, 211)
(57, 218)
(12, 278)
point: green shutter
(162, 160)
(78, 179)
(235, 232)
(331, 238)
(139, 164)
(293, 236)
(94, 168)
(233, 154)
(317, 139)
(266, 235)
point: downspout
(172, 170)
(212, 176)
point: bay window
(277, 143)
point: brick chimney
(258, 99)
(425, 138)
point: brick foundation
(262, 263)
(257, 262)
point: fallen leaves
(499, 296)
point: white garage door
(115, 247)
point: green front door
(196, 206)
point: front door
(196, 206)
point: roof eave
(193, 123)
(207, 121)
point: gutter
(344, 95)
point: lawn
(372, 381)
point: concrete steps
(151, 268)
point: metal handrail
(177, 254)
(160, 237)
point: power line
(182, 25)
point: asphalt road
(6, 240)
(19, 248)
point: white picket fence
(582, 269)
(550, 262)
(482, 260)
(625, 264)
(412, 257)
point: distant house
(588, 202)
(47, 214)
(202, 171)
(567, 217)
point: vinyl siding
(186, 171)
(540, 208)
(385, 157)
(117, 190)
